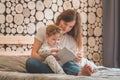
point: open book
(65, 55)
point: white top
(45, 49)
(65, 41)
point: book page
(65, 55)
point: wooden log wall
(24, 17)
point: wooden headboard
(16, 40)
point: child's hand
(56, 56)
(55, 49)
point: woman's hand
(78, 58)
(79, 55)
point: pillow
(13, 63)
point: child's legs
(71, 68)
(54, 65)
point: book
(65, 55)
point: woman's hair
(76, 32)
(52, 30)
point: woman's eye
(70, 27)
(65, 23)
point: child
(50, 47)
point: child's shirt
(45, 49)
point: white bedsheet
(100, 74)
(13, 68)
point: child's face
(53, 40)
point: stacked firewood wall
(24, 17)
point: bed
(12, 67)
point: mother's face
(66, 26)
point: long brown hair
(76, 32)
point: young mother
(70, 23)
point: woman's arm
(37, 44)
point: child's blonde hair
(52, 30)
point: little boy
(50, 47)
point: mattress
(13, 68)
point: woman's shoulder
(41, 28)
(40, 35)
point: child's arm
(44, 52)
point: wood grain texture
(16, 40)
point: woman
(70, 23)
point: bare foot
(86, 71)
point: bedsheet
(13, 68)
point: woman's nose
(66, 28)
